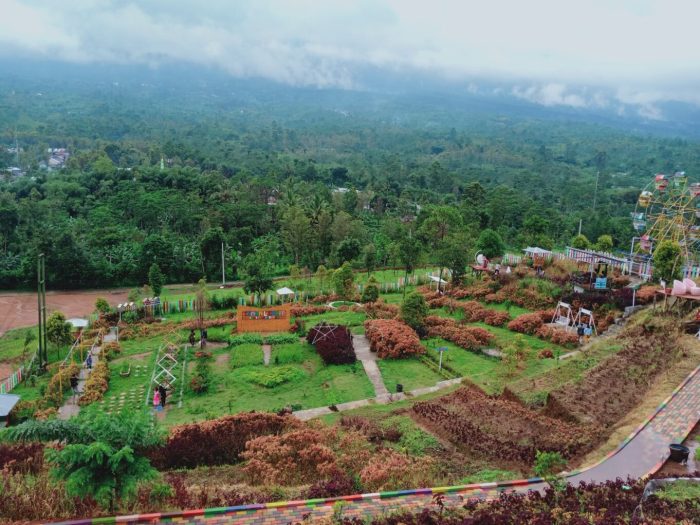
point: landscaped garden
(527, 385)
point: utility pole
(223, 265)
(580, 221)
(41, 297)
(595, 193)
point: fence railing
(15, 379)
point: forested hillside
(296, 176)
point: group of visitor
(584, 332)
(202, 337)
(160, 395)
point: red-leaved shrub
(496, 318)
(526, 323)
(333, 343)
(391, 338)
(216, 442)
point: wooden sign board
(269, 319)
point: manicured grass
(12, 345)
(513, 310)
(347, 318)
(383, 411)
(246, 355)
(311, 384)
(131, 387)
(414, 441)
(140, 345)
(410, 372)
(480, 369)
(680, 491)
(505, 337)
(490, 476)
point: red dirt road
(18, 309)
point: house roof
(77, 322)
(285, 291)
(7, 403)
(437, 279)
(536, 251)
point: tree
(667, 261)
(101, 305)
(414, 309)
(344, 281)
(580, 242)
(102, 457)
(604, 243)
(369, 258)
(347, 250)
(490, 244)
(410, 252)
(58, 330)
(156, 279)
(453, 256)
(547, 466)
(258, 269)
(371, 291)
(296, 232)
(322, 277)
(210, 245)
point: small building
(7, 403)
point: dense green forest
(292, 176)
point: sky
(592, 53)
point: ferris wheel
(669, 209)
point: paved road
(641, 453)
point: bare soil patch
(18, 309)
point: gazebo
(285, 293)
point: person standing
(88, 362)
(163, 395)
(192, 337)
(74, 384)
(156, 400)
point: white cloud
(646, 51)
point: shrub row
(216, 442)
(96, 384)
(467, 337)
(391, 338)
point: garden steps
(71, 407)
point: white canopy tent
(285, 291)
(77, 323)
(536, 251)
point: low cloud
(544, 47)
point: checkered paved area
(641, 453)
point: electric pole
(223, 266)
(41, 296)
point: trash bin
(399, 388)
(679, 453)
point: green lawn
(310, 384)
(480, 369)
(141, 345)
(410, 372)
(12, 344)
(130, 390)
(347, 318)
(505, 337)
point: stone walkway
(267, 354)
(71, 407)
(642, 453)
(369, 363)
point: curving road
(642, 453)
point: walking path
(642, 453)
(71, 407)
(369, 363)
(267, 354)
